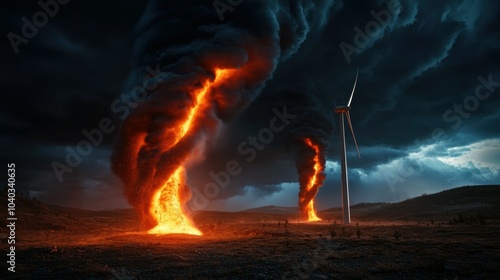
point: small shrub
(481, 219)
(436, 264)
(397, 234)
(461, 218)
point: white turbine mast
(343, 111)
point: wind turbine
(344, 111)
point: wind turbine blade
(353, 88)
(352, 131)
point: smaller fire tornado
(311, 178)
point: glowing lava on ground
(313, 181)
(167, 205)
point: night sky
(425, 111)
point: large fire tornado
(166, 206)
(211, 70)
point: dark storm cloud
(75, 64)
(427, 59)
(61, 82)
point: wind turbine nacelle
(342, 109)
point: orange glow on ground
(311, 212)
(166, 205)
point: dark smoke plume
(314, 121)
(188, 42)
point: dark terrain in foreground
(449, 235)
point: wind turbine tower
(343, 112)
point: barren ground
(57, 243)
